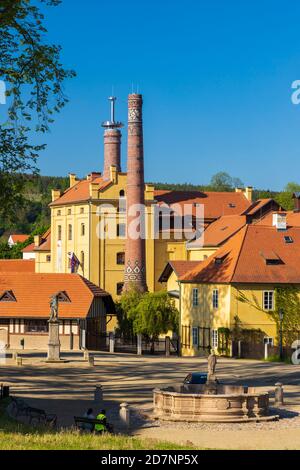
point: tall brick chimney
(112, 142)
(135, 258)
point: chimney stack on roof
(135, 262)
(112, 142)
(279, 220)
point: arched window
(122, 193)
(82, 230)
(121, 258)
(70, 232)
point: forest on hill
(33, 213)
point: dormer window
(288, 239)
(231, 205)
(219, 259)
(63, 297)
(8, 296)
(271, 258)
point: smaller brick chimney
(112, 142)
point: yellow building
(239, 281)
(79, 214)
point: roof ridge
(240, 250)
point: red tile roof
(80, 192)
(19, 238)
(216, 204)
(33, 292)
(293, 218)
(243, 259)
(219, 231)
(179, 267)
(29, 248)
(45, 242)
(17, 266)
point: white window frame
(215, 298)
(195, 297)
(214, 339)
(269, 340)
(268, 301)
(195, 336)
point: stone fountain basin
(230, 403)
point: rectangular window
(195, 297)
(195, 336)
(215, 299)
(82, 230)
(69, 211)
(59, 232)
(214, 339)
(121, 258)
(119, 288)
(269, 340)
(268, 300)
(36, 326)
(121, 230)
(48, 258)
(70, 232)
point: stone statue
(53, 308)
(212, 362)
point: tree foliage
(149, 314)
(222, 181)
(34, 78)
(15, 252)
(155, 314)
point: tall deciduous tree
(34, 76)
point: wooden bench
(80, 423)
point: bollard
(125, 415)
(139, 345)
(266, 351)
(111, 343)
(19, 361)
(98, 394)
(86, 355)
(239, 349)
(91, 361)
(278, 394)
(168, 344)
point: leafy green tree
(34, 78)
(154, 315)
(126, 311)
(222, 181)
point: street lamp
(281, 315)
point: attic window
(231, 205)
(288, 239)
(271, 258)
(219, 259)
(63, 297)
(8, 296)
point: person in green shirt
(102, 417)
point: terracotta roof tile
(17, 266)
(33, 292)
(216, 204)
(45, 242)
(19, 238)
(219, 231)
(29, 248)
(244, 258)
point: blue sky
(216, 78)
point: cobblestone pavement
(68, 389)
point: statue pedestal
(211, 386)
(54, 343)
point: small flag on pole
(74, 262)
